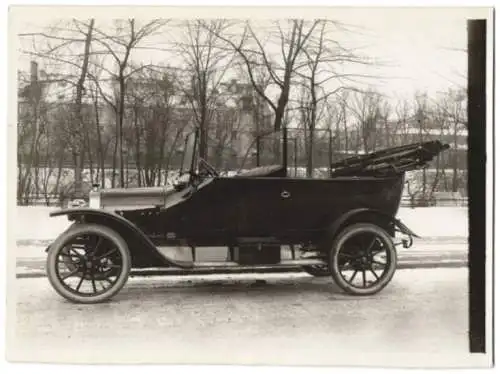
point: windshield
(189, 155)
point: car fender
(351, 215)
(125, 226)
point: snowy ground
(34, 223)
(419, 320)
(437, 221)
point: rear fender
(128, 230)
(386, 221)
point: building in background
(238, 114)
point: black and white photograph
(273, 186)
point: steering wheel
(209, 168)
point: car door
(257, 204)
(210, 211)
(305, 204)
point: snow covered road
(420, 319)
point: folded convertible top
(390, 160)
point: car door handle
(285, 194)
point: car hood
(142, 197)
(131, 198)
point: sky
(424, 48)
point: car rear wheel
(363, 259)
(88, 264)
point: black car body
(259, 217)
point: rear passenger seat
(264, 171)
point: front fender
(122, 225)
(73, 212)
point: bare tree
(31, 114)
(402, 112)
(80, 87)
(60, 48)
(291, 36)
(119, 44)
(334, 122)
(156, 124)
(310, 101)
(206, 64)
(366, 109)
(453, 106)
(421, 116)
(342, 102)
(98, 143)
(323, 75)
(225, 138)
(385, 114)
(439, 120)
(59, 133)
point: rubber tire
(80, 229)
(315, 272)
(337, 245)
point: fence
(248, 149)
(437, 202)
(306, 150)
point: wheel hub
(362, 261)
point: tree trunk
(436, 176)
(77, 146)
(455, 160)
(172, 149)
(137, 146)
(312, 125)
(121, 114)
(387, 133)
(203, 132)
(365, 135)
(284, 95)
(159, 162)
(36, 165)
(310, 146)
(127, 179)
(59, 173)
(90, 158)
(346, 133)
(24, 187)
(115, 151)
(100, 151)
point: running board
(216, 266)
(226, 264)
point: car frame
(344, 226)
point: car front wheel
(88, 264)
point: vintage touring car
(344, 225)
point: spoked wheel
(88, 264)
(363, 259)
(317, 270)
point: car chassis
(344, 226)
